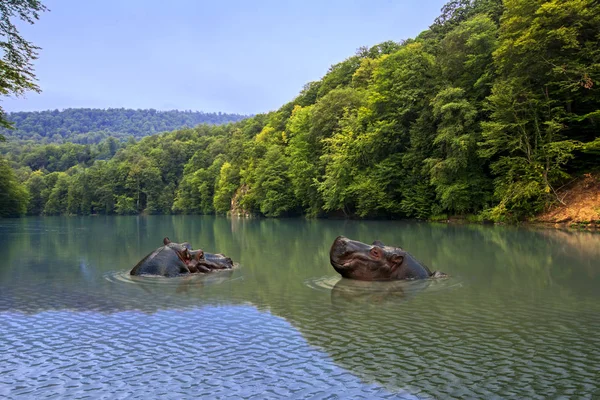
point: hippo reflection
(375, 293)
(376, 262)
(174, 259)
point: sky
(243, 57)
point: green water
(519, 316)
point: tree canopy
(16, 69)
(92, 125)
(486, 113)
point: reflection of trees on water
(382, 334)
(584, 244)
(278, 255)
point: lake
(519, 316)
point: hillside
(90, 126)
(473, 117)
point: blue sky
(233, 56)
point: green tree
(196, 190)
(465, 56)
(102, 185)
(401, 128)
(13, 196)
(159, 197)
(303, 153)
(79, 199)
(455, 169)
(226, 185)
(58, 199)
(543, 104)
(273, 189)
(16, 68)
(36, 186)
(125, 205)
(344, 154)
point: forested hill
(487, 114)
(91, 125)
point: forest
(92, 125)
(483, 115)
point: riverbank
(579, 204)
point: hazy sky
(221, 55)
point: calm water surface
(518, 318)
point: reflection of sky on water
(232, 351)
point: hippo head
(184, 251)
(357, 260)
(216, 261)
(198, 260)
(375, 262)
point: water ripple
(519, 318)
(213, 278)
(233, 352)
(457, 344)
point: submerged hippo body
(174, 259)
(376, 262)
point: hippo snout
(338, 249)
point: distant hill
(91, 125)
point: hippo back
(412, 269)
(163, 261)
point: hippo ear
(397, 259)
(199, 255)
(378, 243)
(166, 241)
(376, 252)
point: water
(518, 318)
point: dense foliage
(485, 113)
(92, 125)
(16, 69)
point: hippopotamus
(376, 262)
(174, 259)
